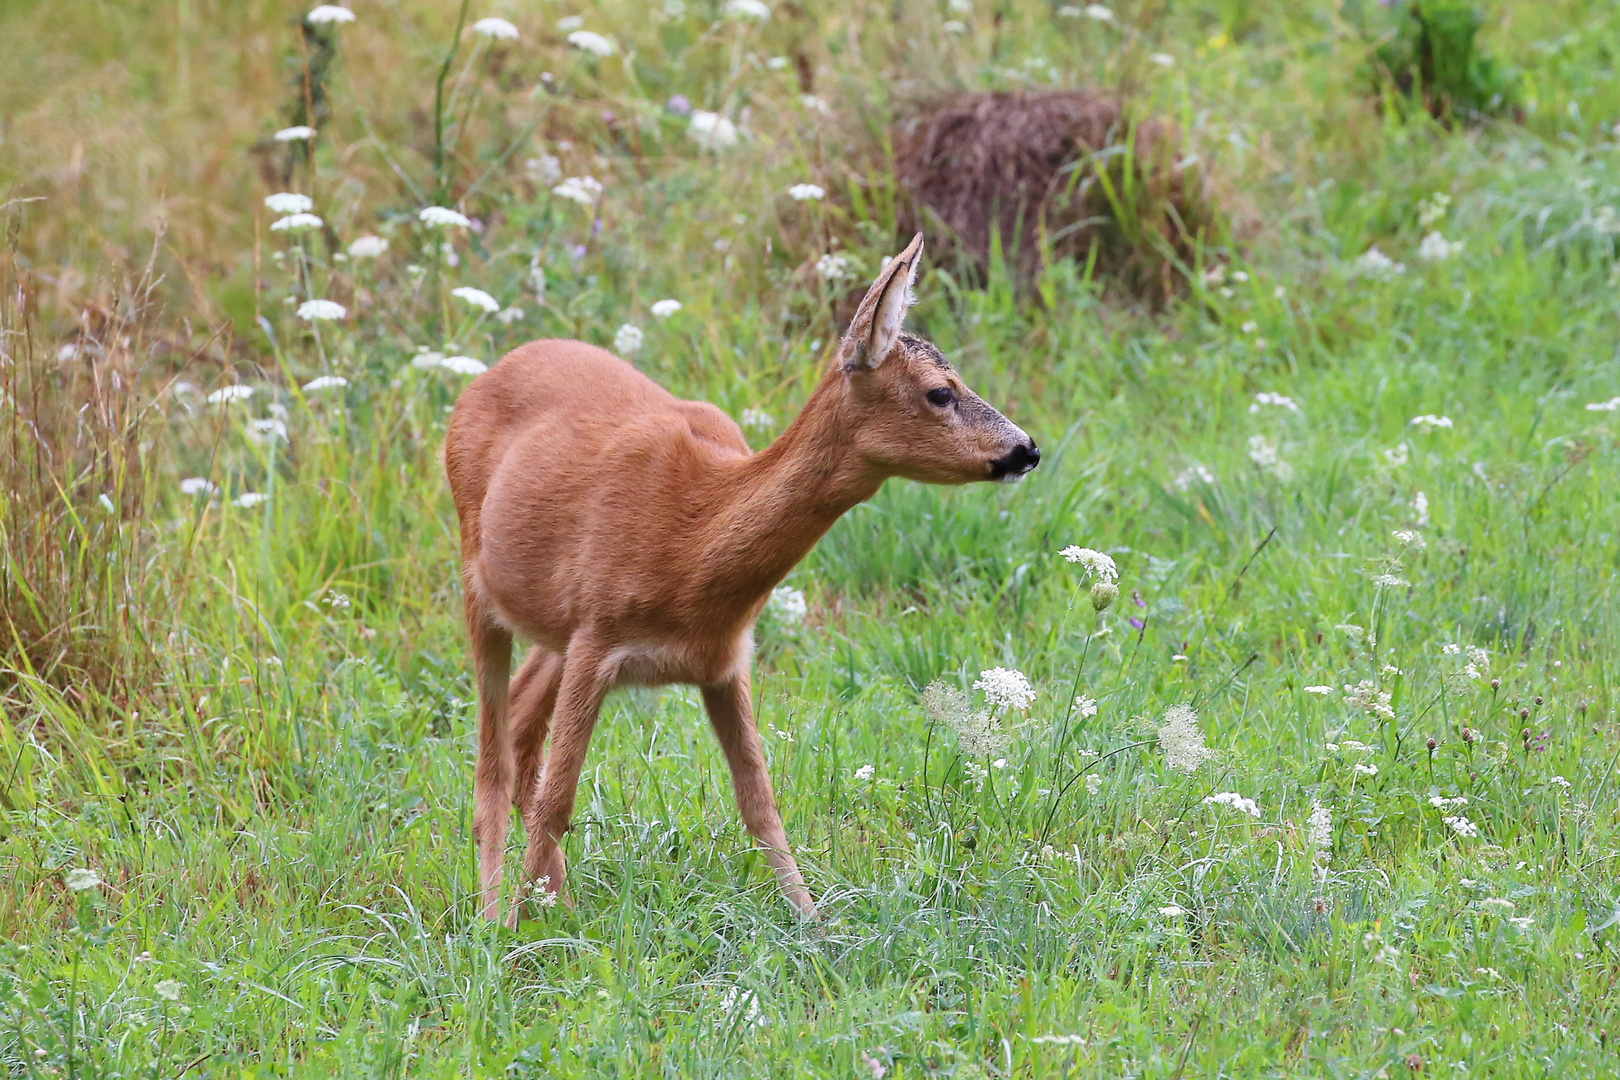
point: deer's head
(915, 417)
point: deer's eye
(941, 396)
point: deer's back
(575, 477)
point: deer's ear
(876, 326)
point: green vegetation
(1368, 447)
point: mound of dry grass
(1064, 174)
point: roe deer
(634, 538)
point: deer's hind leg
(492, 779)
(533, 697)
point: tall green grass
(254, 722)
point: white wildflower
(1396, 456)
(226, 395)
(1522, 922)
(591, 42)
(545, 169)
(170, 989)
(1391, 581)
(197, 485)
(1441, 802)
(1196, 473)
(757, 418)
(441, 216)
(1366, 695)
(663, 309)
(570, 22)
(737, 1001)
(540, 892)
(289, 202)
(1364, 768)
(267, 430)
(627, 340)
(1181, 740)
(712, 131)
(1420, 508)
(1264, 453)
(1352, 746)
(367, 247)
(1319, 828)
(1410, 539)
(509, 315)
(977, 735)
(1094, 783)
(329, 13)
(1433, 209)
(1005, 688)
(82, 880)
(834, 267)
(1478, 658)
(1235, 801)
(584, 190)
(865, 773)
(295, 223)
(1376, 265)
(1163, 59)
(1172, 911)
(815, 104)
(336, 600)
(1099, 12)
(463, 365)
(1450, 648)
(1461, 825)
(478, 298)
(1559, 781)
(1085, 706)
(1436, 248)
(806, 192)
(747, 9)
(1431, 421)
(249, 499)
(1321, 691)
(1612, 405)
(294, 134)
(1248, 328)
(318, 310)
(1282, 401)
(498, 29)
(1096, 563)
(325, 382)
(788, 605)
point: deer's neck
(776, 504)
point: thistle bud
(1432, 744)
(1103, 595)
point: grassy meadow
(1359, 474)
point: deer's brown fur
(634, 538)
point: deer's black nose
(1019, 461)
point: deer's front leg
(731, 711)
(583, 685)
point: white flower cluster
(1461, 826)
(663, 309)
(1264, 453)
(788, 605)
(1319, 829)
(584, 190)
(1235, 801)
(478, 298)
(1431, 421)
(977, 734)
(711, 131)
(1196, 473)
(628, 339)
(1436, 248)
(1096, 563)
(1366, 695)
(1181, 739)
(1282, 401)
(1376, 265)
(440, 217)
(834, 267)
(1005, 688)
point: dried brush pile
(1050, 176)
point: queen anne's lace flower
(1461, 826)
(712, 131)
(584, 190)
(320, 310)
(82, 880)
(367, 247)
(834, 267)
(289, 202)
(1436, 248)
(1181, 740)
(498, 29)
(227, 394)
(1096, 563)
(977, 735)
(806, 192)
(663, 309)
(1005, 688)
(441, 216)
(249, 499)
(628, 339)
(747, 9)
(295, 223)
(478, 298)
(1235, 801)
(1431, 421)
(591, 42)
(1319, 829)
(463, 365)
(329, 14)
(1376, 265)
(294, 134)
(788, 605)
